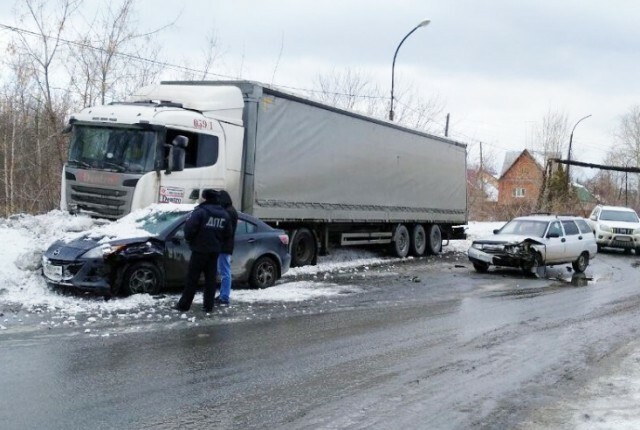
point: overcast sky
(498, 65)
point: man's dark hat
(209, 194)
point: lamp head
(424, 23)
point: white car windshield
(525, 227)
(612, 215)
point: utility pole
(481, 173)
(569, 155)
(446, 128)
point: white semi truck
(325, 175)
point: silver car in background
(616, 227)
(534, 241)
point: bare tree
(417, 112)
(628, 137)
(211, 54)
(39, 89)
(347, 89)
(113, 54)
(353, 90)
(550, 138)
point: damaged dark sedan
(146, 252)
(535, 241)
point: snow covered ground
(610, 401)
(23, 238)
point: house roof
(511, 157)
(583, 194)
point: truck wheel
(142, 277)
(580, 265)
(418, 240)
(434, 239)
(303, 248)
(401, 241)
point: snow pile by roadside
(25, 237)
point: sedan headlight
(605, 227)
(477, 245)
(101, 251)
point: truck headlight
(636, 231)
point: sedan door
(574, 244)
(176, 258)
(556, 246)
(249, 246)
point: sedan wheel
(580, 265)
(480, 266)
(531, 267)
(142, 278)
(264, 273)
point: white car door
(574, 244)
(556, 243)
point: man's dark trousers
(199, 262)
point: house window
(518, 192)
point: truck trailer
(325, 175)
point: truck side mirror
(176, 155)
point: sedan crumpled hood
(508, 239)
(62, 250)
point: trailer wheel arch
(303, 247)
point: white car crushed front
(534, 241)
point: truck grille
(109, 203)
(622, 230)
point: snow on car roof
(130, 225)
(617, 208)
(547, 217)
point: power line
(220, 75)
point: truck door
(204, 167)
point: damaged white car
(531, 242)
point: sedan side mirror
(496, 231)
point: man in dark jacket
(224, 259)
(206, 230)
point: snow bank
(25, 237)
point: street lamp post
(570, 143)
(393, 67)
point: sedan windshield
(113, 148)
(157, 222)
(525, 227)
(626, 216)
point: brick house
(521, 179)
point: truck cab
(165, 144)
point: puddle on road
(505, 290)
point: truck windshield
(113, 148)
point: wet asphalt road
(423, 344)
